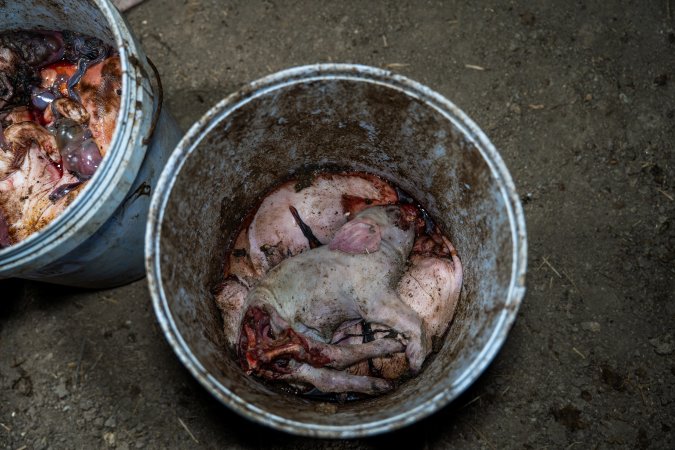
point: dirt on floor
(580, 99)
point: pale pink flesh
(431, 287)
(24, 193)
(273, 234)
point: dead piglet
(304, 299)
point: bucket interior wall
(82, 16)
(346, 124)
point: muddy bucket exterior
(97, 241)
(345, 117)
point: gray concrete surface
(578, 96)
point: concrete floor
(580, 99)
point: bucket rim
(350, 72)
(103, 193)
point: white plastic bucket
(98, 240)
(347, 117)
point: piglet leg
(388, 309)
(265, 346)
(342, 356)
(329, 380)
(301, 348)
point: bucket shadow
(425, 434)
(18, 296)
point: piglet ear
(356, 237)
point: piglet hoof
(336, 381)
(416, 351)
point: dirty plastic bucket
(98, 240)
(347, 117)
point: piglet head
(364, 233)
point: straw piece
(124, 5)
